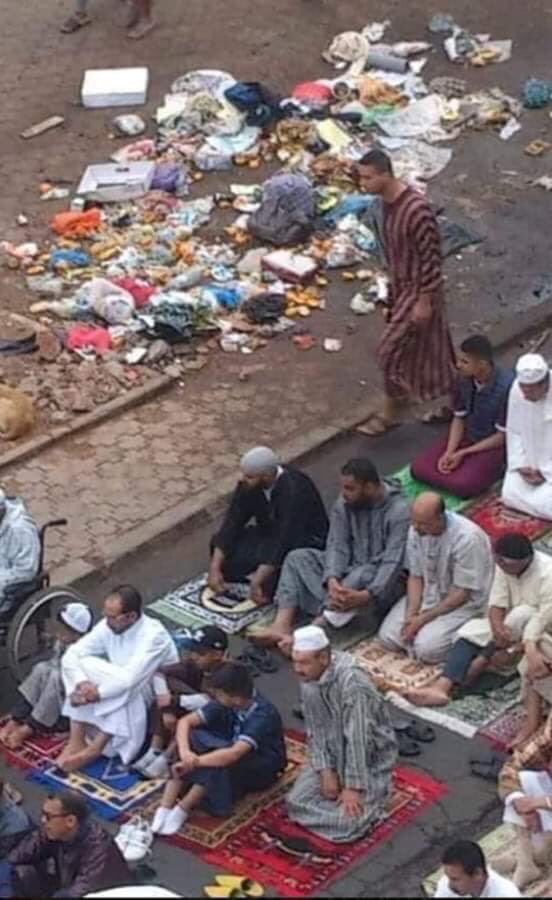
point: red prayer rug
(36, 753)
(247, 843)
(496, 519)
(504, 728)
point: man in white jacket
(19, 546)
(108, 680)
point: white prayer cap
(77, 616)
(310, 639)
(531, 368)
(258, 460)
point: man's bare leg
(436, 694)
(280, 628)
(89, 754)
(479, 665)
(75, 744)
(533, 708)
(389, 416)
(145, 21)
(171, 792)
(193, 798)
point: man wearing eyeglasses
(69, 855)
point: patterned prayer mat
(191, 605)
(392, 671)
(108, 787)
(36, 753)
(545, 543)
(497, 519)
(411, 487)
(495, 844)
(504, 728)
(246, 843)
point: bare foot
(427, 697)
(141, 29)
(268, 636)
(18, 736)
(285, 645)
(76, 761)
(5, 732)
(70, 750)
(523, 735)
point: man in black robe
(274, 509)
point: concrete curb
(206, 505)
(128, 400)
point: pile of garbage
(134, 276)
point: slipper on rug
(422, 733)
(407, 746)
(245, 885)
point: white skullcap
(310, 639)
(77, 616)
(531, 368)
(258, 460)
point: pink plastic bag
(80, 336)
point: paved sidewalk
(125, 472)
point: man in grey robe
(19, 546)
(342, 791)
(362, 567)
(450, 570)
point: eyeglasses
(49, 816)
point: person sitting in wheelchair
(40, 697)
(19, 548)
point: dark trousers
(26, 881)
(460, 657)
(249, 553)
(225, 786)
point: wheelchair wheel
(30, 635)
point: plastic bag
(110, 302)
(76, 224)
(80, 336)
(129, 125)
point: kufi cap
(310, 639)
(258, 460)
(531, 368)
(77, 616)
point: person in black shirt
(287, 512)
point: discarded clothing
(257, 101)
(79, 337)
(287, 211)
(264, 308)
(455, 237)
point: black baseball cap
(208, 637)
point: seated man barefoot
(70, 855)
(228, 748)
(362, 566)
(19, 546)
(183, 690)
(40, 696)
(536, 671)
(108, 681)
(528, 810)
(472, 456)
(528, 482)
(522, 585)
(287, 512)
(343, 789)
(450, 565)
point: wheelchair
(25, 627)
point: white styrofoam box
(114, 87)
(113, 182)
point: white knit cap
(258, 460)
(531, 368)
(77, 616)
(310, 639)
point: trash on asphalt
(112, 183)
(41, 127)
(114, 87)
(129, 125)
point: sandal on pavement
(247, 887)
(418, 732)
(489, 770)
(75, 23)
(407, 747)
(261, 659)
(376, 425)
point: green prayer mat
(411, 487)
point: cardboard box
(113, 182)
(114, 87)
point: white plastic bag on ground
(109, 302)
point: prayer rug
(411, 487)
(496, 519)
(494, 844)
(192, 605)
(545, 543)
(36, 752)
(108, 787)
(247, 842)
(393, 671)
(504, 728)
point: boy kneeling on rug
(230, 747)
(180, 689)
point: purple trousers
(474, 475)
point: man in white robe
(528, 482)
(108, 678)
(450, 569)
(19, 546)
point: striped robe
(349, 731)
(417, 361)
